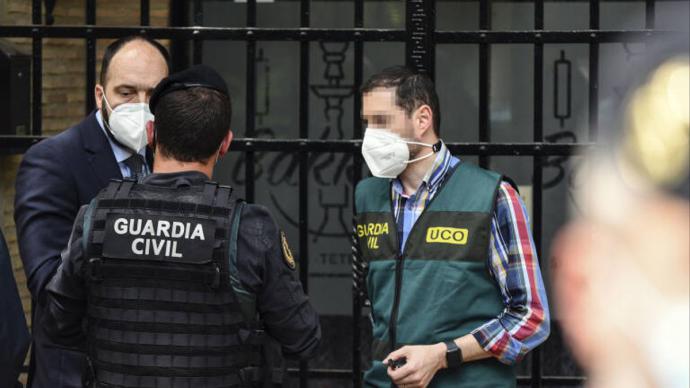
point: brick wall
(64, 82)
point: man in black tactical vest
(171, 281)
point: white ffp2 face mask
(386, 153)
(127, 123)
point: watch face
(452, 359)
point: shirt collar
(121, 153)
(436, 172)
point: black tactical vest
(162, 311)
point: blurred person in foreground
(621, 267)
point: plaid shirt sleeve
(513, 262)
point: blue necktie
(136, 166)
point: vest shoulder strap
(373, 195)
(232, 247)
(87, 223)
(217, 195)
(469, 189)
(246, 298)
(118, 189)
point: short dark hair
(115, 46)
(191, 123)
(412, 90)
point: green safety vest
(438, 287)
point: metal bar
(217, 33)
(179, 48)
(420, 20)
(503, 149)
(334, 35)
(553, 36)
(354, 146)
(650, 14)
(593, 112)
(14, 145)
(251, 13)
(250, 95)
(537, 172)
(304, 133)
(36, 71)
(89, 103)
(357, 176)
(305, 10)
(484, 79)
(198, 46)
(145, 12)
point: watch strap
(453, 354)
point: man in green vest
(443, 251)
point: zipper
(400, 258)
(392, 325)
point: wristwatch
(453, 354)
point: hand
(423, 361)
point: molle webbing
(156, 322)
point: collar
(435, 175)
(176, 179)
(121, 153)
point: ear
(150, 134)
(423, 120)
(98, 91)
(225, 144)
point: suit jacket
(56, 177)
(14, 335)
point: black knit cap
(199, 76)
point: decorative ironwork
(562, 68)
(328, 169)
(49, 6)
(327, 157)
(421, 23)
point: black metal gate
(421, 38)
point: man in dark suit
(14, 336)
(60, 174)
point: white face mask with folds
(387, 154)
(127, 123)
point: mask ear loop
(106, 119)
(434, 149)
(107, 104)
